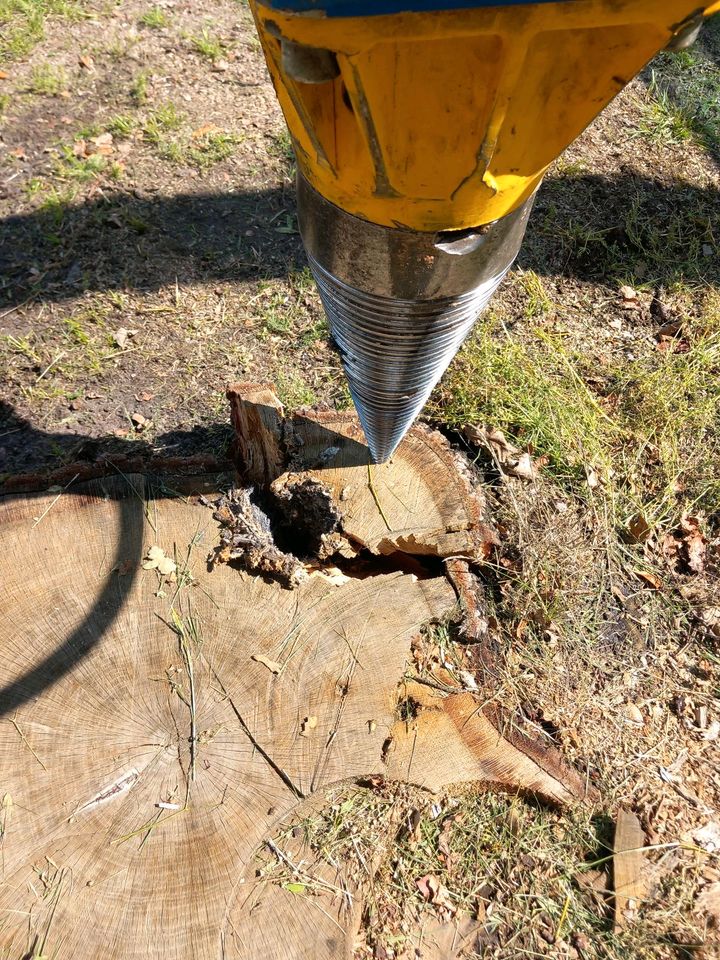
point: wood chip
(628, 868)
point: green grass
(22, 23)
(56, 203)
(538, 303)
(47, 80)
(120, 126)
(139, 88)
(160, 122)
(155, 18)
(651, 431)
(519, 868)
(81, 169)
(294, 391)
(207, 45)
(685, 93)
(280, 146)
(200, 151)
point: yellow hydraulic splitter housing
(422, 129)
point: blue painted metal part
(370, 8)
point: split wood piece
(629, 868)
(422, 502)
(457, 733)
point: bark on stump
(155, 727)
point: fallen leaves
(139, 421)
(433, 891)
(121, 337)
(651, 579)
(708, 836)
(307, 726)
(511, 459)
(156, 559)
(708, 902)
(102, 144)
(633, 714)
(685, 547)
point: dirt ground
(149, 256)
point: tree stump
(162, 714)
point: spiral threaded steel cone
(400, 304)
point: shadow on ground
(592, 227)
(123, 242)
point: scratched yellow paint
(448, 120)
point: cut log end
(165, 714)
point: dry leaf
(685, 547)
(708, 837)
(593, 477)
(204, 130)
(638, 528)
(633, 714)
(139, 421)
(627, 293)
(144, 397)
(523, 467)
(101, 144)
(708, 902)
(121, 337)
(86, 62)
(272, 665)
(649, 578)
(694, 543)
(713, 731)
(157, 560)
(434, 892)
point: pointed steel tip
(383, 432)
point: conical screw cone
(395, 351)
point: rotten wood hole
(158, 730)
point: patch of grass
(663, 120)
(609, 234)
(139, 88)
(686, 90)
(70, 167)
(207, 45)
(47, 80)
(538, 303)
(121, 126)
(155, 18)
(56, 203)
(517, 867)
(650, 427)
(201, 150)
(280, 146)
(22, 23)
(294, 391)
(160, 122)
(33, 187)
(5, 101)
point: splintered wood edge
(497, 756)
(264, 449)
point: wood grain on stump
(155, 729)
